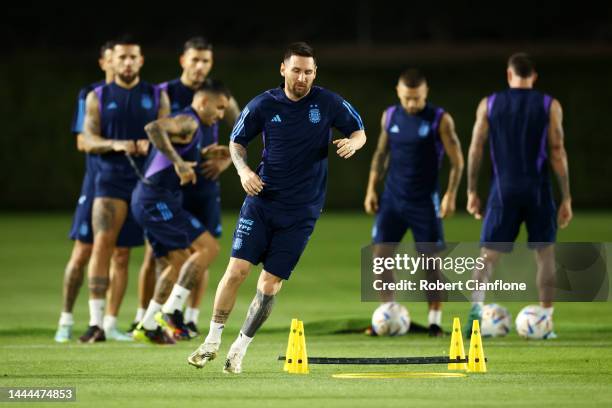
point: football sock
(176, 300)
(110, 322)
(435, 317)
(148, 320)
(548, 311)
(241, 343)
(66, 319)
(96, 311)
(139, 314)
(191, 315)
(214, 334)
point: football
(533, 323)
(495, 321)
(390, 319)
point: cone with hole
(299, 359)
(289, 354)
(476, 357)
(457, 351)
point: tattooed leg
(260, 309)
(108, 215)
(227, 291)
(74, 273)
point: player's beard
(128, 78)
(300, 91)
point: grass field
(573, 370)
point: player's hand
(447, 206)
(251, 182)
(185, 172)
(371, 203)
(564, 215)
(212, 168)
(127, 146)
(346, 147)
(473, 205)
(142, 147)
(215, 151)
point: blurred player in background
(525, 130)
(116, 115)
(81, 232)
(285, 195)
(157, 204)
(201, 199)
(413, 138)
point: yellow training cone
(456, 347)
(289, 355)
(299, 363)
(476, 357)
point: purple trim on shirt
(215, 131)
(161, 162)
(388, 114)
(495, 172)
(542, 155)
(490, 103)
(436, 129)
(156, 97)
(264, 154)
(98, 92)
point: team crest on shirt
(237, 243)
(146, 102)
(424, 129)
(314, 114)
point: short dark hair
(109, 45)
(412, 78)
(215, 87)
(197, 43)
(299, 48)
(126, 39)
(521, 64)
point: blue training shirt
(181, 97)
(518, 139)
(296, 137)
(159, 170)
(123, 115)
(415, 153)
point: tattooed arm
(93, 142)
(452, 147)
(380, 160)
(558, 161)
(480, 133)
(179, 129)
(250, 181)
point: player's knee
(80, 255)
(237, 271)
(490, 256)
(121, 258)
(207, 245)
(269, 284)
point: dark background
(362, 46)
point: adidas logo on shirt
(394, 129)
(276, 119)
(111, 105)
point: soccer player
(115, 117)
(81, 231)
(524, 128)
(285, 195)
(201, 199)
(158, 207)
(414, 135)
